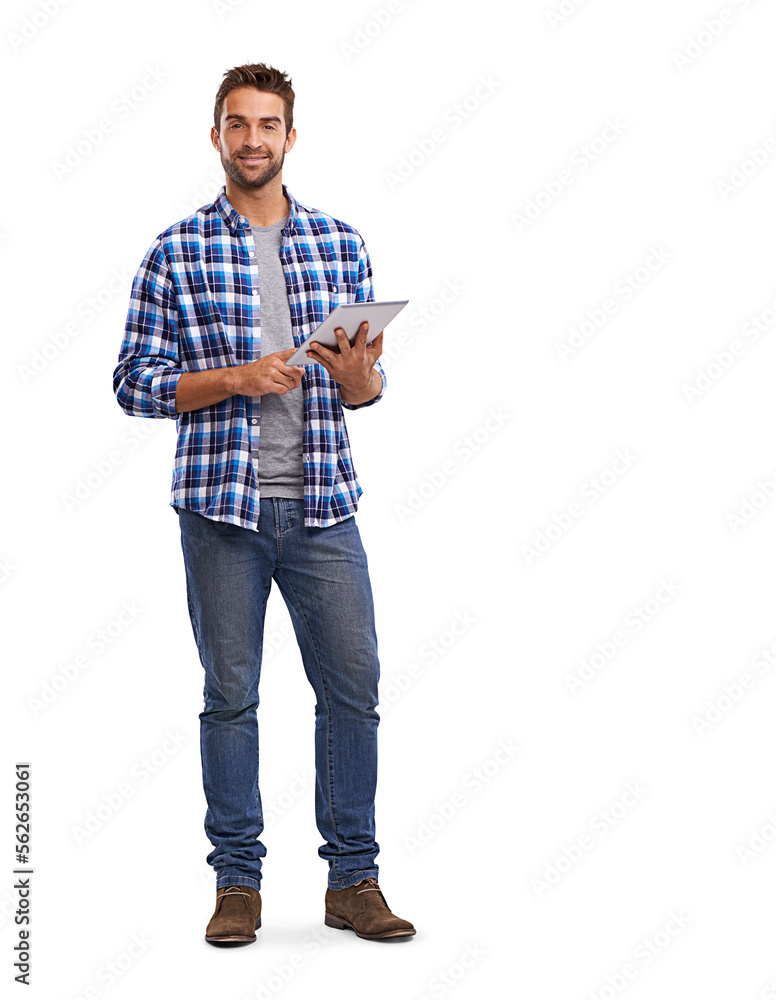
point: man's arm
(269, 374)
(370, 391)
(148, 369)
(198, 389)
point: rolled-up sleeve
(365, 293)
(146, 376)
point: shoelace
(233, 890)
(373, 887)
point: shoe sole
(331, 921)
(235, 938)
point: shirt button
(254, 420)
(251, 253)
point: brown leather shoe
(362, 908)
(237, 915)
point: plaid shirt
(195, 304)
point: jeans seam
(278, 531)
(192, 612)
(259, 810)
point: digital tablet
(349, 316)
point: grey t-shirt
(281, 417)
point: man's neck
(260, 206)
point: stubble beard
(258, 177)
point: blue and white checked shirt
(195, 304)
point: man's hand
(212, 385)
(267, 375)
(352, 367)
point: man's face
(252, 140)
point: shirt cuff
(164, 383)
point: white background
(621, 839)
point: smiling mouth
(253, 159)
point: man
(265, 489)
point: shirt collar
(237, 222)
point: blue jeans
(323, 577)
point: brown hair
(262, 77)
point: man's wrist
(230, 380)
(369, 391)
(366, 387)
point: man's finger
(376, 347)
(319, 349)
(289, 371)
(342, 341)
